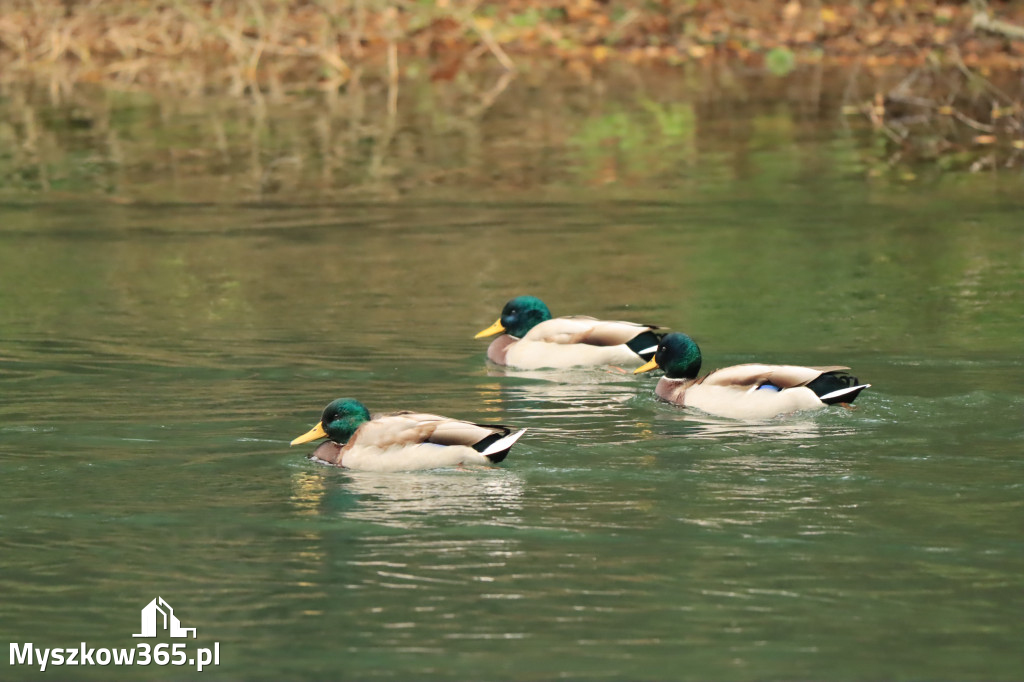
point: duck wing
(413, 428)
(641, 338)
(754, 374)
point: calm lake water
(156, 359)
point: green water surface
(156, 359)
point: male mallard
(750, 391)
(532, 339)
(404, 441)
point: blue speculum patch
(768, 387)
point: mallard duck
(532, 339)
(751, 391)
(404, 441)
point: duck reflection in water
(415, 499)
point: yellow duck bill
(495, 328)
(651, 364)
(314, 433)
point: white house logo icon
(151, 620)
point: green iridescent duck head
(678, 355)
(519, 316)
(339, 421)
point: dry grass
(277, 46)
(220, 46)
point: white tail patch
(503, 444)
(841, 392)
(647, 350)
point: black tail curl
(487, 441)
(644, 341)
(830, 382)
